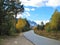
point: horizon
(39, 10)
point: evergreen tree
(8, 8)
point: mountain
(32, 23)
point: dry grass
(53, 35)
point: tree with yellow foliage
(22, 25)
(55, 21)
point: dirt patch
(17, 40)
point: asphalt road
(40, 40)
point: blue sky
(39, 10)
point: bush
(25, 29)
(48, 27)
(12, 31)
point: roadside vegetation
(10, 26)
(9, 9)
(50, 29)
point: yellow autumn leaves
(20, 24)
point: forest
(9, 9)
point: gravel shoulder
(18, 40)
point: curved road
(29, 38)
(40, 40)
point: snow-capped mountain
(32, 23)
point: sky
(39, 10)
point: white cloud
(19, 16)
(27, 9)
(24, 15)
(53, 3)
(27, 14)
(39, 21)
(32, 9)
(35, 3)
(39, 3)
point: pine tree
(8, 8)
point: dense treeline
(54, 24)
(8, 8)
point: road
(40, 40)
